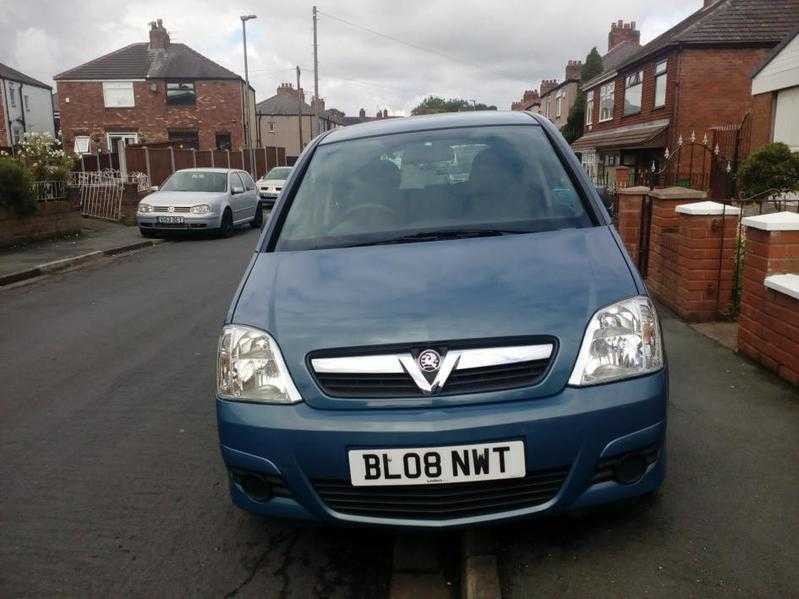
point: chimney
(317, 105)
(573, 69)
(286, 89)
(159, 38)
(623, 32)
(530, 95)
(362, 113)
(548, 85)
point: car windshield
(196, 181)
(281, 173)
(432, 185)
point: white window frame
(607, 93)
(589, 107)
(26, 101)
(132, 135)
(114, 89)
(81, 142)
(12, 95)
(661, 75)
(634, 80)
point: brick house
(695, 77)
(156, 93)
(775, 91)
(553, 99)
(25, 106)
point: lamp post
(247, 124)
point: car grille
(443, 501)
(470, 380)
(182, 209)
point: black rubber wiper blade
(444, 235)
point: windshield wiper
(442, 235)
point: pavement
(96, 236)
(112, 481)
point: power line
(419, 47)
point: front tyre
(226, 226)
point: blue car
(424, 341)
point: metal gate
(101, 194)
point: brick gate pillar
(628, 218)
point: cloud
(489, 52)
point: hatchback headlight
(621, 341)
(250, 367)
(201, 209)
(144, 208)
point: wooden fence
(159, 163)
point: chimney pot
(621, 32)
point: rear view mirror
(236, 190)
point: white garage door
(786, 118)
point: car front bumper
(190, 221)
(579, 430)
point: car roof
(428, 122)
(210, 169)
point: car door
(251, 193)
(238, 197)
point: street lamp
(244, 19)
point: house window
(12, 97)
(114, 139)
(661, 78)
(589, 108)
(606, 97)
(27, 102)
(272, 128)
(632, 93)
(118, 94)
(81, 144)
(223, 141)
(184, 140)
(180, 93)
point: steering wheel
(345, 218)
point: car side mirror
(154, 188)
(236, 190)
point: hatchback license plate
(171, 220)
(437, 465)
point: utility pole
(246, 120)
(299, 106)
(315, 74)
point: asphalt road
(725, 523)
(111, 481)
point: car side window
(249, 184)
(235, 181)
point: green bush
(771, 170)
(16, 193)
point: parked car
(200, 199)
(271, 184)
(446, 354)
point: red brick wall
(768, 326)
(57, 217)
(762, 117)
(715, 88)
(629, 208)
(218, 109)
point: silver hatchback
(196, 199)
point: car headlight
(250, 367)
(621, 341)
(201, 209)
(144, 208)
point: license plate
(437, 465)
(171, 220)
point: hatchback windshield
(280, 173)
(196, 181)
(431, 185)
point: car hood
(271, 182)
(483, 288)
(183, 198)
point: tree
(769, 171)
(436, 104)
(573, 129)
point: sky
(484, 51)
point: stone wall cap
(640, 189)
(678, 193)
(787, 284)
(707, 209)
(777, 221)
